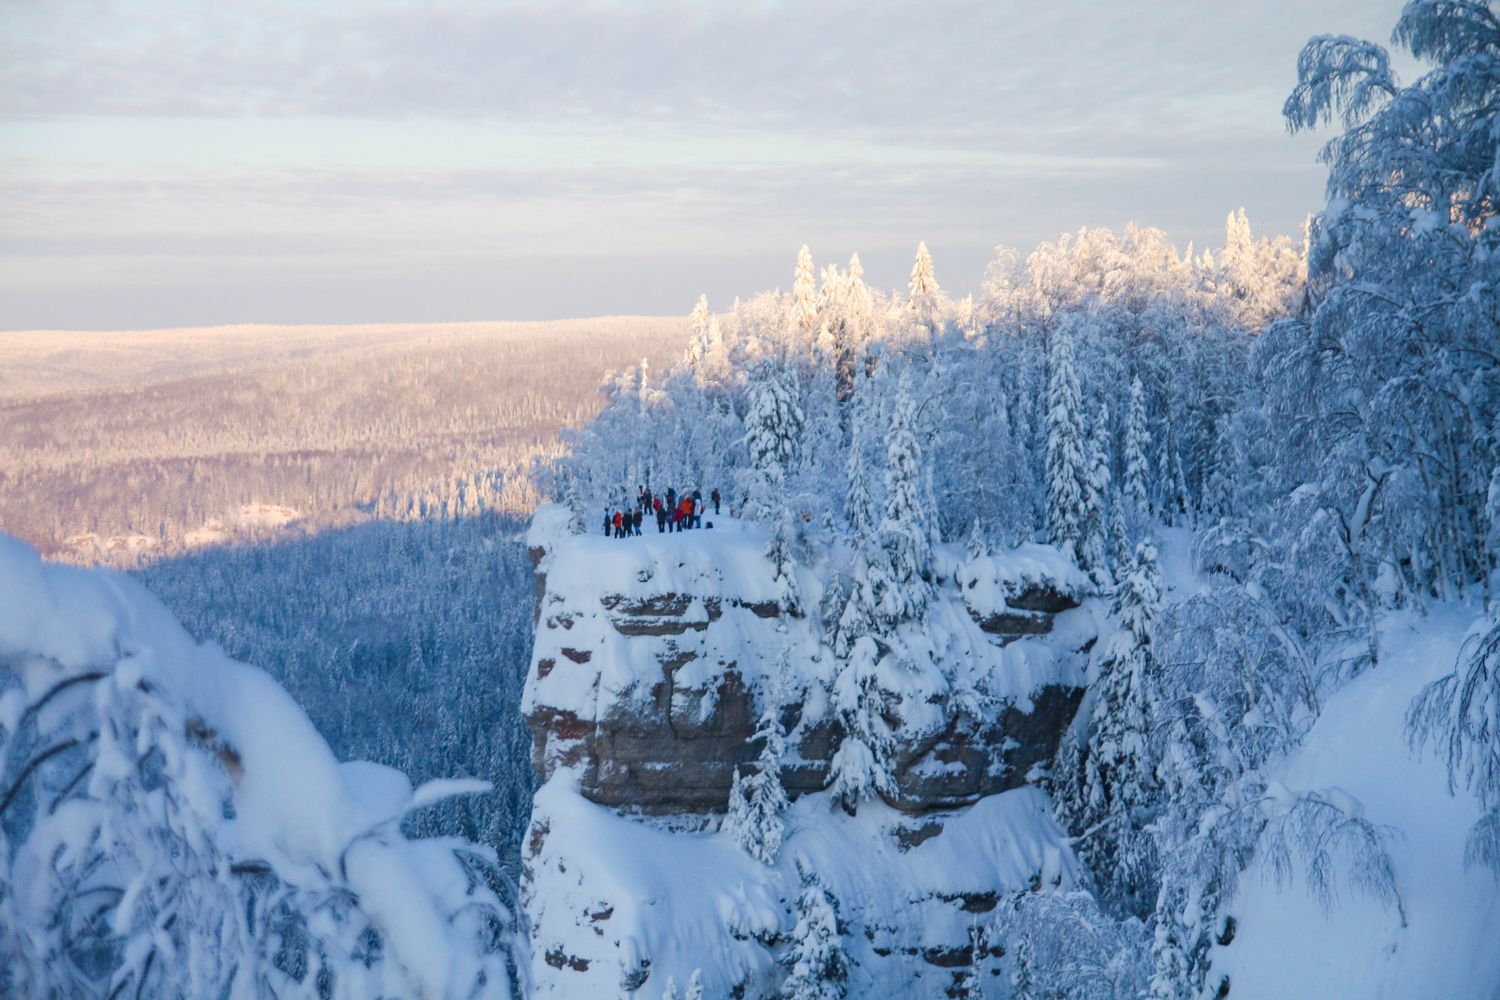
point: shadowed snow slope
(1286, 947)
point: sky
(175, 163)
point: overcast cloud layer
(181, 163)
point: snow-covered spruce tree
(861, 767)
(698, 324)
(1119, 784)
(671, 992)
(1137, 461)
(923, 302)
(1067, 451)
(817, 967)
(902, 587)
(694, 989)
(855, 615)
(756, 803)
(1461, 713)
(852, 324)
(773, 439)
(805, 297)
(1096, 542)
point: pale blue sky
(183, 163)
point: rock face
(654, 658)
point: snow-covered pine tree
(902, 589)
(695, 986)
(861, 767)
(854, 326)
(923, 303)
(756, 803)
(1095, 547)
(698, 321)
(773, 438)
(818, 968)
(805, 297)
(1137, 463)
(671, 992)
(1067, 459)
(1118, 777)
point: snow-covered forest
(1311, 429)
(1125, 629)
(120, 447)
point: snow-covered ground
(1286, 947)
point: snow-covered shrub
(1461, 713)
(172, 825)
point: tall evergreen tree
(902, 590)
(1095, 548)
(756, 803)
(805, 297)
(1067, 458)
(1118, 776)
(1137, 461)
(861, 767)
(923, 304)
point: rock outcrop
(653, 660)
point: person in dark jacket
(606, 522)
(661, 516)
(714, 496)
(671, 498)
(635, 520)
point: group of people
(673, 512)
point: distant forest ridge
(131, 446)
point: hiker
(661, 516)
(619, 525)
(646, 500)
(635, 521)
(697, 508)
(714, 496)
(685, 512)
(606, 522)
(671, 498)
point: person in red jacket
(619, 525)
